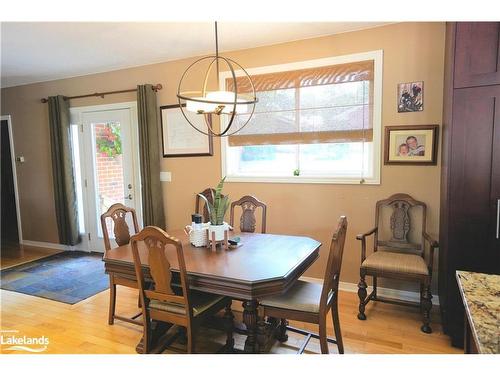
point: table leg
(250, 320)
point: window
(315, 121)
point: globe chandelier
(207, 103)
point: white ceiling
(35, 52)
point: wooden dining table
(262, 265)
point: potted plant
(216, 212)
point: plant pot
(218, 230)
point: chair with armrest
(249, 205)
(398, 257)
(310, 302)
(118, 214)
(164, 302)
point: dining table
(261, 265)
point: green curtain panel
(62, 171)
(149, 149)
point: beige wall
(412, 51)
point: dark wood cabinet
(470, 186)
(477, 54)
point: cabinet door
(474, 165)
(477, 54)
(495, 191)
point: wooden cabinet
(470, 189)
(477, 54)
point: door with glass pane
(111, 175)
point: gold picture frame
(411, 144)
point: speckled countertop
(481, 295)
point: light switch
(20, 159)
(165, 176)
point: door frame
(8, 118)
(76, 114)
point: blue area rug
(68, 277)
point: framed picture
(178, 136)
(411, 97)
(416, 145)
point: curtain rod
(102, 94)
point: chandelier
(220, 103)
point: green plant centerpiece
(216, 211)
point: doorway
(11, 234)
(106, 155)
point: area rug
(68, 277)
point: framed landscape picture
(179, 138)
(411, 97)
(414, 145)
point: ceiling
(43, 51)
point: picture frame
(410, 97)
(411, 144)
(179, 138)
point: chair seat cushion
(200, 302)
(395, 262)
(302, 296)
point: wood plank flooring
(83, 328)
(13, 255)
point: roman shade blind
(328, 104)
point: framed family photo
(178, 136)
(412, 145)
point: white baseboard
(48, 245)
(404, 295)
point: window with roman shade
(317, 116)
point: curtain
(329, 104)
(149, 149)
(62, 171)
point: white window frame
(377, 57)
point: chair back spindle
(249, 205)
(118, 214)
(400, 223)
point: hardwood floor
(13, 255)
(83, 328)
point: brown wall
(412, 52)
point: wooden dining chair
(118, 214)
(397, 256)
(310, 302)
(249, 205)
(161, 301)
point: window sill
(304, 180)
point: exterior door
(109, 170)
(9, 218)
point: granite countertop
(481, 295)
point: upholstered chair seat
(302, 296)
(200, 302)
(388, 261)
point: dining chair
(249, 205)
(396, 255)
(118, 214)
(166, 302)
(310, 302)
